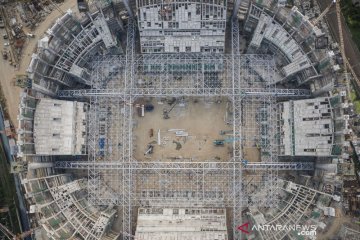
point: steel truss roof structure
(117, 81)
(138, 166)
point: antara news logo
(303, 230)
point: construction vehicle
(166, 112)
(30, 35)
(4, 55)
(221, 142)
(225, 132)
(12, 236)
(23, 81)
(2, 23)
(150, 150)
(149, 107)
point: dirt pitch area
(201, 119)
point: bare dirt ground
(8, 73)
(203, 121)
(332, 230)
(252, 154)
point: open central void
(187, 129)
(188, 132)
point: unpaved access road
(8, 72)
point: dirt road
(8, 73)
(352, 52)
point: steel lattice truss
(183, 74)
(246, 80)
(138, 166)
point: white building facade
(182, 26)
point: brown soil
(203, 122)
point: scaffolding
(117, 81)
(64, 210)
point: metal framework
(213, 166)
(200, 92)
(117, 81)
(237, 177)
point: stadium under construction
(174, 119)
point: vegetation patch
(356, 101)
(8, 199)
(351, 13)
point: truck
(219, 142)
(4, 55)
(2, 23)
(30, 35)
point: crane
(323, 13)
(12, 236)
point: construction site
(172, 119)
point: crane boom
(12, 236)
(322, 14)
(7, 232)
